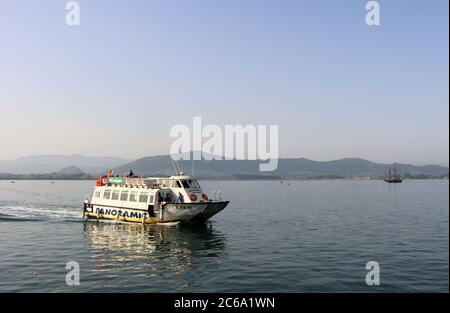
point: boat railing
(134, 181)
(216, 195)
(120, 181)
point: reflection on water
(119, 250)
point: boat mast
(176, 164)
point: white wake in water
(40, 213)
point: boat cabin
(144, 193)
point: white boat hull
(170, 212)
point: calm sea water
(310, 236)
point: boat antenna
(180, 171)
(193, 162)
(173, 165)
(177, 165)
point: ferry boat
(151, 200)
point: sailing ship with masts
(393, 177)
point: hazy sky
(117, 83)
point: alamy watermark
(373, 14)
(373, 276)
(73, 276)
(249, 142)
(73, 13)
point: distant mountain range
(41, 164)
(81, 167)
(293, 168)
(68, 173)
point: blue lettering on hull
(125, 214)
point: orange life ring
(193, 197)
(205, 197)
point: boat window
(97, 194)
(178, 184)
(124, 196)
(194, 184)
(115, 195)
(133, 196)
(107, 194)
(143, 197)
(185, 184)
